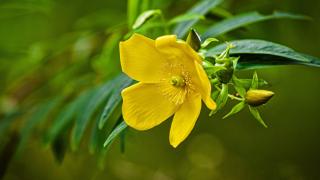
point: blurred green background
(43, 43)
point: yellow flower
(172, 81)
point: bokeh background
(234, 148)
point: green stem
(230, 95)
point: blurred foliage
(61, 82)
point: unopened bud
(257, 97)
(225, 75)
(194, 40)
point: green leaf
(215, 95)
(237, 108)
(185, 17)
(254, 111)
(8, 149)
(255, 81)
(132, 11)
(145, 5)
(259, 54)
(115, 133)
(59, 147)
(206, 63)
(114, 99)
(214, 69)
(244, 19)
(246, 83)
(23, 8)
(208, 41)
(238, 86)
(80, 122)
(65, 117)
(98, 135)
(39, 115)
(222, 99)
(201, 8)
(145, 16)
(7, 121)
(221, 12)
(100, 95)
(110, 114)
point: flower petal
(140, 59)
(185, 119)
(144, 106)
(179, 52)
(204, 87)
(174, 49)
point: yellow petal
(185, 119)
(205, 87)
(174, 49)
(144, 106)
(140, 60)
(179, 52)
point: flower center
(177, 81)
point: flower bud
(257, 97)
(225, 75)
(194, 40)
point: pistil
(178, 81)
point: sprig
(221, 71)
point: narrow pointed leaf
(145, 16)
(215, 95)
(80, 126)
(221, 99)
(40, 114)
(237, 108)
(65, 117)
(114, 99)
(7, 152)
(255, 81)
(223, 96)
(185, 17)
(6, 122)
(259, 54)
(93, 103)
(208, 41)
(255, 113)
(247, 18)
(132, 11)
(201, 8)
(145, 5)
(98, 135)
(59, 147)
(238, 86)
(214, 69)
(246, 83)
(115, 133)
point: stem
(230, 95)
(235, 97)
